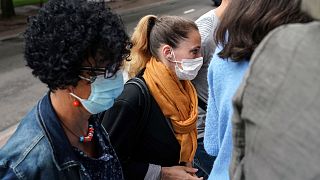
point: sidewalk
(14, 28)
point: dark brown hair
(245, 23)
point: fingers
(190, 170)
(195, 178)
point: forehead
(193, 40)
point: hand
(189, 164)
(179, 172)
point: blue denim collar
(62, 150)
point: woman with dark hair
(242, 27)
(76, 48)
(159, 139)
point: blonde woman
(165, 56)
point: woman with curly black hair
(77, 48)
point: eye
(195, 51)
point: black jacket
(140, 143)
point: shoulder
(283, 36)
(26, 151)
(26, 159)
(279, 46)
(131, 102)
(222, 70)
(207, 24)
(207, 17)
(27, 135)
(131, 94)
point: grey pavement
(19, 90)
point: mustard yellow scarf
(178, 102)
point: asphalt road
(19, 90)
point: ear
(166, 52)
(70, 89)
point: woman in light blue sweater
(224, 77)
(242, 28)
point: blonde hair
(150, 33)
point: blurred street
(19, 90)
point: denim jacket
(39, 149)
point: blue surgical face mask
(103, 93)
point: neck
(75, 118)
(219, 10)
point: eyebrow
(197, 47)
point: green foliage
(18, 3)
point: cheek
(179, 65)
(83, 90)
(169, 65)
(172, 67)
(87, 91)
(180, 56)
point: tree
(7, 8)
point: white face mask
(190, 67)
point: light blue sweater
(224, 77)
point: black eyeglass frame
(95, 71)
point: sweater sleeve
(211, 138)
(121, 122)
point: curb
(12, 36)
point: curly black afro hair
(65, 33)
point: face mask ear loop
(175, 60)
(174, 56)
(75, 102)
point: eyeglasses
(96, 71)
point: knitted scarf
(178, 102)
